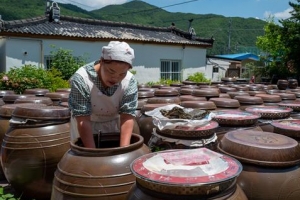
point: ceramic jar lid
(287, 96)
(186, 172)
(158, 85)
(238, 93)
(235, 117)
(269, 98)
(10, 98)
(57, 96)
(186, 91)
(288, 127)
(176, 84)
(205, 105)
(161, 100)
(191, 98)
(224, 95)
(4, 92)
(295, 105)
(145, 94)
(253, 93)
(189, 83)
(166, 93)
(261, 148)
(7, 109)
(41, 112)
(275, 91)
(249, 100)
(206, 92)
(270, 112)
(63, 90)
(148, 89)
(227, 89)
(36, 91)
(225, 102)
(43, 100)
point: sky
(260, 9)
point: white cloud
(279, 15)
(92, 4)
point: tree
(281, 42)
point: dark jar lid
(225, 102)
(175, 100)
(227, 89)
(166, 93)
(10, 98)
(238, 93)
(145, 94)
(191, 98)
(63, 90)
(206, 92)
(249, 100)
(36, 91)
(41, 100)
(41, 112)
(4, 92)
(57, 95)
(261, 148)
(269, 98)
(205, 105)
(7, 109)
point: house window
(215, 69)
(170, 70)
(47, 60)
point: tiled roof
(99, 29)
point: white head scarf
(119, 51)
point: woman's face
(113, 72)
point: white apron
(105, 110)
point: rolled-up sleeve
(130, 98)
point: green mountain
(232, 35)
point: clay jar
(32, 147)
(100, 173)
(270, 163)
(5, 115)
(145, 122)
(63, 90)
(183, 183)
(282, 84)
(292, 83)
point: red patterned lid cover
(192, 166)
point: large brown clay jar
(32, 147)
(96, 174)
(282, 84)
(270, 163)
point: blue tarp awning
(237, 57)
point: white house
(161, 53)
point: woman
(103, 96)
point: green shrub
(198, 77)
(162, 81)
(30, 77)
(65, 62)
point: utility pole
(229, 35)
